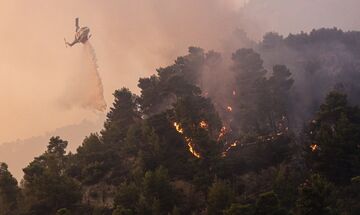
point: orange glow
(222, 133)
(314, 147)
(188, 140)
(234, 144)
(191, 148)
(203, 125)
(178, 128)
(229, 108)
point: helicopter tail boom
(77, 23)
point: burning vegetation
(232, 150)
(188, 140)
(314, 147)
(229, 108)
(203, 125)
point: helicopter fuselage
(82, 35)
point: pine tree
(332, 147)
(9, 192)
(220, 197)
(47, 188)
(316, 196)
(249, 75)
(123, 114)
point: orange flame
(203, 125)
(191, 148)
(314, 147)
(234, 144)
(178, 128)
(188, 140)
(229, 108)
(222, 133)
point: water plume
(96, 95)
(85, 89)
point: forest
(270, 128)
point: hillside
(273, 128)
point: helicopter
(82, 35)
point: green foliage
(288, 178)
(158, 193)
(349, 197)
(316, 196)
(173, 150)
(9, 192)
(57, 146)
(336, 133)
(238, 209)
(92, 161)
(271, 40)
(46, 187)
(249, 74)
(122, 115)
(275, 100)
(261, 104)
(63, 211)
(189, 112)
(268, 204)
(172, 82)
(127, 198)
(175, 211)
(121, 211)
(220, 197)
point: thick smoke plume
(86, 90)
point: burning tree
(333, 139)
(196, 119)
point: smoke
(325, 60)
(292, 16)
(17, 154)
(86, 89)
(132, 39)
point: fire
(314, 147)
(203, 125)
(178, 128)
(229, 108)
(234, 93)
(281, 130)
(191, 148)
(234, 144)
(222, 133)
(188, 140)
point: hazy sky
(42, 83)
(131, 39)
